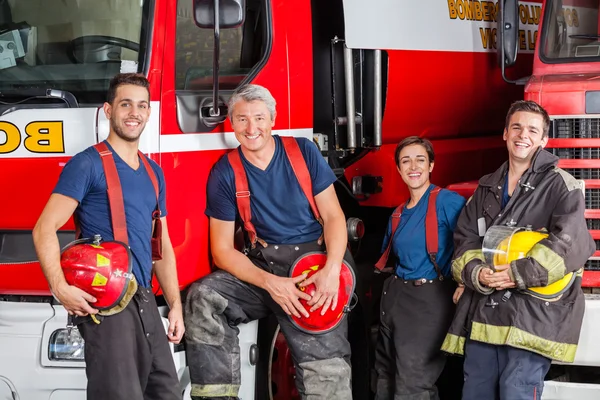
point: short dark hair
(409, 141)
(532, 107)
(132, 78)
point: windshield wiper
(589, 36)
(67, 97)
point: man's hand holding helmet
(285, 293)
(327, 284)
(74, 300)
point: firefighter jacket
(545, 198)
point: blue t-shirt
(505, 195)
(409, 246)
(83, 180)
(280, 211)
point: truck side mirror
(508, 32)
(231, 13)
(217, 14)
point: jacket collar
(542, 161)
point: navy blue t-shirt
(409, 246)
(505, 195)
(83, 180)
(280, 211)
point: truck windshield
(71, 45)
(571, 31)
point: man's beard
(122, 135)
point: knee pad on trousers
(202, 306)
(326, 379)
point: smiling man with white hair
(256, 283)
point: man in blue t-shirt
(252, 286)
(127, 354)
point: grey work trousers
(219, 302)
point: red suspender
(380, 265)
(431, 233)
(242, 194)
(294, 155)
(152, 176)
(156, 240)
(115, 195)
(431, 230)
(242, 190)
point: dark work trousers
(414, 321)
(219, 302)
(127, 355)
(503, 373)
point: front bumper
(24, 332)
(26, 372)
(570, 391)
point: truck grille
(592, 265)
(584, 173)
(575, 128)
(593, 224)
(582, 153)
(592, 199)
(581, 128)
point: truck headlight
(65, 345)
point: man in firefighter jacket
(252, 286)
(509, 334)
(127, 353)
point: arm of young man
(228, 258)
(57, 212)
(327, 280)
(567, 248)
(166, 274)
(469, 262)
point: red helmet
(102, 269)
(316, 323)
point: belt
(417, 282)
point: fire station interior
(44, 42)
(109, 36)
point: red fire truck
(354, 76)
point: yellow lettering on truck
(452, 9)
(45, 137)
(13, 137)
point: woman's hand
(458, 293)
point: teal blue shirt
(409, 245)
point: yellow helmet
(502, 245)
(517, 246)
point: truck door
(56, 61)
